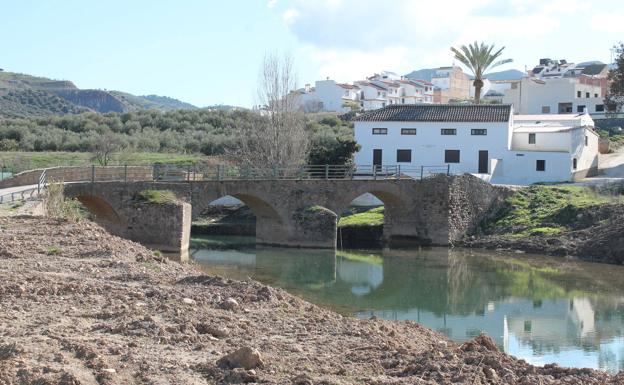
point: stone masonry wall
(471, 201)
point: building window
(404, 156)
(599, 107)
(578, 94)
(540, 165)
(545, 109)
(383, 104)
(586, 140)
(574, 163)
(531, 138)
(580, 108)
(448, 131)
(451, 156)
(587, 94)
(595, 95)
(403, 100)
(478, 131)
(408, 131)
(380, 131)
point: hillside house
(559, 87)
(486, 140)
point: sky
(208, 52)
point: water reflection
(538, 309)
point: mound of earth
(79, 306)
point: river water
(540, 309)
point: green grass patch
(372, 217)
(157, 196)
(19, 161)
(537, 210)
(53, 250)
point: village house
(486, 140)
(559, 87)
(451, 84)
(375, 92)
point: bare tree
(278, 137)
(105, 146)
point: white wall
(331, 95)
(519, 168)
(544, 141)
(428, 145)
(529, 97)
(586, 155)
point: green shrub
(157, 196)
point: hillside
(427, 73)
(23, 95)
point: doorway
(483, 162)
(377, 158)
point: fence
(191, 173)
(198, 172)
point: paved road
(18, 189)
(612, 167)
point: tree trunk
(478, 84)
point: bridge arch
(100, 209)
(391, 199)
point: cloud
(354, 36)
(610, 22)
(271, 3)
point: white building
(558, 87)
(485, 140)
(327, 95)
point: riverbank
(558, 220)
(80, 306)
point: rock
(188, 301)
(109, 370)
(490, 374)
(244, 357)
(216, 331)
(302, 379)
(229, 304)
(241, 376)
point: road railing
(164, 172)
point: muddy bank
(596, 234)
(79, 306)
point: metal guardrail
(19, 195)
(190, 173)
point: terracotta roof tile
(439, 113)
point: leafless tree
(278, 137)
(105, 147)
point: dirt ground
(79, 306)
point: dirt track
(79, 306)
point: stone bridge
(297, 213)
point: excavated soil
(79, 306)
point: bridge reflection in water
(538, 309)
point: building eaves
(439, 113)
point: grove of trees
(209, 132)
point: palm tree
(479, 59)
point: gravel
(103, 310)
